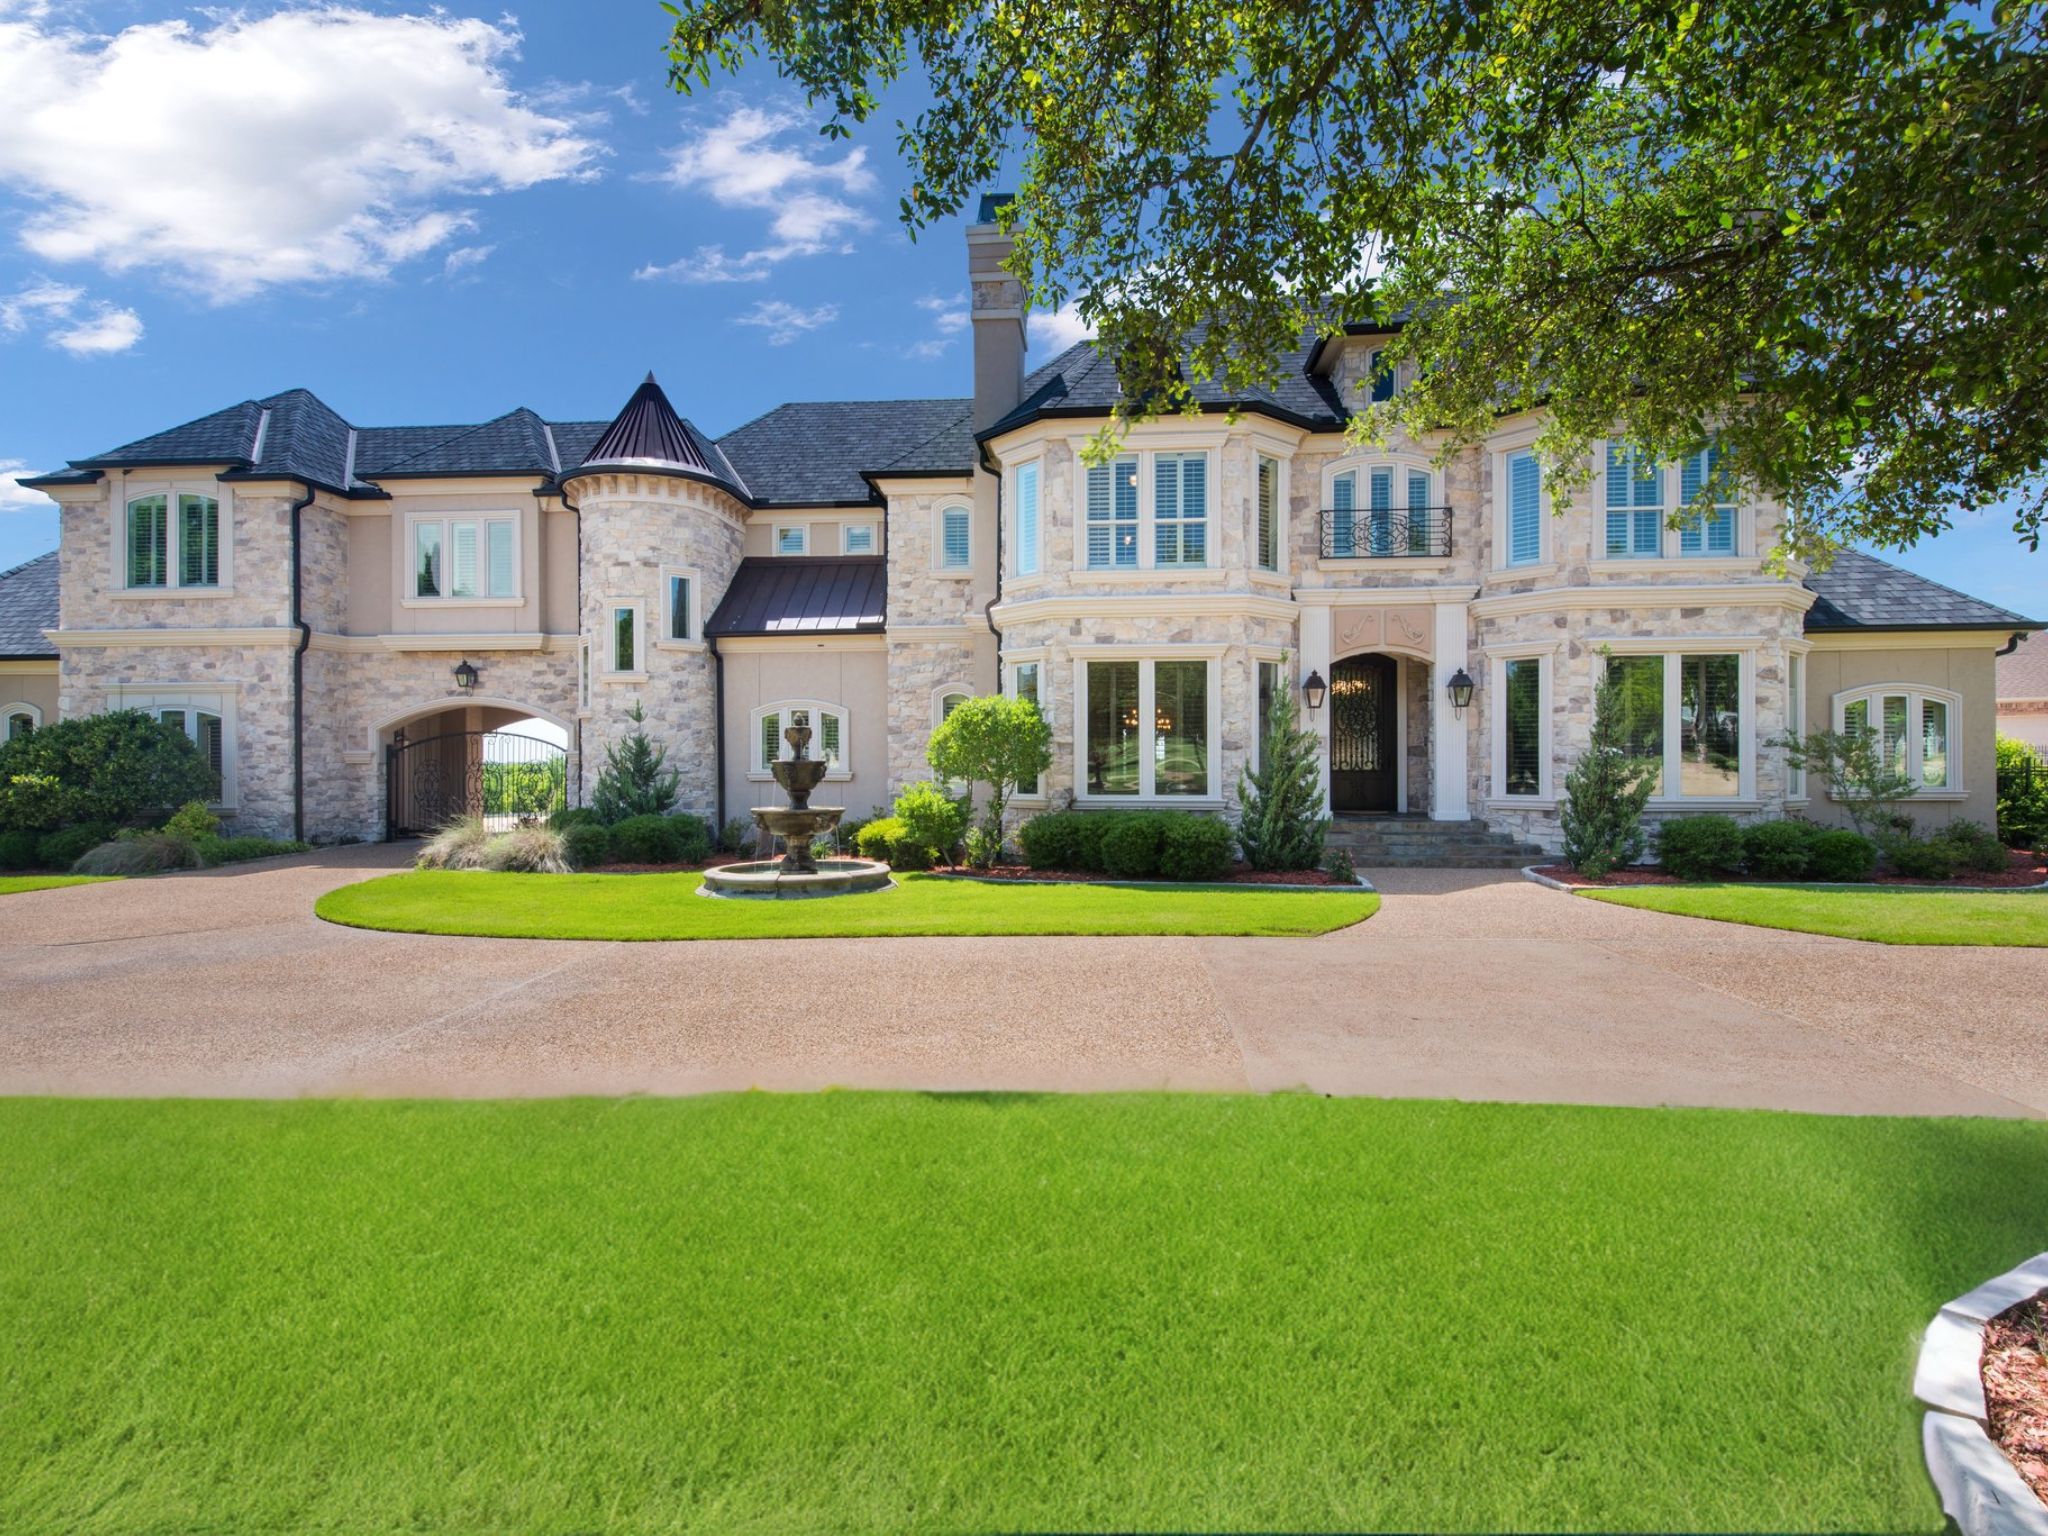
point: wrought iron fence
(1386, 533)
(503, 776)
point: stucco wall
(30, 682)
(1970, 673)
(855, 679)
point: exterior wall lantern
(465, 676)
(1460, 687)
(1313, 688)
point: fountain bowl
(772, 879)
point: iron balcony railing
(1363, 533)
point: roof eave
(1971, 626)
(1205, 408)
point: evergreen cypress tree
(1604, 794)
(1281, 824)
(634, 781)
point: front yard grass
(600, 906)
(924, 1312)
(11, 885)
(1881, 914)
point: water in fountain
(798, 872)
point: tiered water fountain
(798, 872)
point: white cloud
(106, 329)
(738, 163)
(949, 317)
(16, 497)
(1056, 330)
(304, 146)
(38, 300)
(458, 262)
(68, 321)
(785, 322)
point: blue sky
(437, 216)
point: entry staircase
(1415, 842)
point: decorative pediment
(1406, 631)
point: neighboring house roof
(2023, 675)
(814, 453)
(1860, 591)
(28, 606)
(804, 594)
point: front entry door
(1362, 743)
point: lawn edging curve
(1980, 1488)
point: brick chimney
(998, 309)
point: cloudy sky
(436, 217)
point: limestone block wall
(1464, 485)
(256, 589)
(919, 669)
(323, 551)
(919, 592)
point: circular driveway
(1466, 985)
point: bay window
(827, 723)
(1146, 511)
(1635, 505)
(465, 559)
(1180, 509)
(173, 541)
(1525, 509)
(1915, 727)
(1688, 714)
(1147, 731)
(1521, 723)
(1113, 514)
(1266, 554)
(1643, 498)
(1027, 519)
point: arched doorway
(1365, 739)
(491, 758)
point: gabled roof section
(804, 595)
(818, 453)
(1860, 591)
(223, 437)
(28, 606)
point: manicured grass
(668, 907)
(1882, 914)
(11, 885)
(915, 1312)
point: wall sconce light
(465, 677)
(1313, 690)
(1460, 687)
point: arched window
(828, 734)
(19, 720)
(1382, 508)
(946, 700)
(1918, 727)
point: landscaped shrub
(888, 839)
(1052, 840)
(193, 820)
(1778, 850)
(64, 847)
(527, 851)
(1091, 829)
(1001, 741)
(1976, 847)
(143, 853)
(239, 850)
(121, 767)
(18, 850)
(1283, 824)
(634, 781)
(739, 835)
(847, 833)
(982, 847)
(1922, 858)
(1131, 845)
(459, 845)
(647, 840)
(693, 835)
(1700, 847)
(573, 816)
(1340, 868)
(2022, 794)
(1840, 854)
(1601, 813)
(932, 820)
(1194, 847)
(586, 845)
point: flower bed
(2022, 869)
(1237, 874)
(2015, 1372)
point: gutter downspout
(717, 731)
(562, 491)
(988, 608)
(299, 650)
(2012, 643)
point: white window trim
(954, 504)
(695, 617)
(408, 592)
(1362, 465)
(777, 530)
(1668, 556)
(1083, 656)
(758, 771)
(1503, 518)
(607, 653)
(847, 531)
(1795, 666)
(1014, 503)
(1671, 648)
(170, 490)
(155, 697)
(945, 692)
(1497, 658)
(1916, 695)
(1012, 662)
(1148, 499)
(20, 707)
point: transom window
(793, 539)
(1642, 497)
(956, 539)
(828, 734)
(1687, 713)
(465, 558)
(173, 540)
(1915, 726)
(1381, 509)
(1147, 728)
(857, 539)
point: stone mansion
(300, 593)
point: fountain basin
(772, 878)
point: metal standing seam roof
(28, 606)
(804, 595)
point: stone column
(1450, 800)
(1315, 657)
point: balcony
(1392, 533)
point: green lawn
(1882, 914)
(11, 885)
(668, 907)
(916, 1312)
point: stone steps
(1402, 842)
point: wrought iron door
(503, 776)
(1362, 736)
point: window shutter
(498, 539)
(1525, 509)
(1027, 520)
(1269, 514)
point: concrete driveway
(1466, 985)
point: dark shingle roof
(796, 595)
(515, 443)
(28, 606)
(1860, 591)
(813, 453)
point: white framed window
(1180, 509)
(946, 700)
(856, 538)
(623, 639)
(1380, 509)
(1521, 711)
(173, 540)
(1112, 522)
(1795, 719)
(464, 559)
(792, 538)
(1522, 523)
(1918, 726)
(766, 727)
(956, 539)
(1025, 681)
(18, 720)
(1641, 499)
(1380, 375)
(681, 593)
(1148, 725)
(1025, 491)
(1147, 511)
(206, 715)
(1266, 534)
(1693, 713)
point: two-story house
(339, 614)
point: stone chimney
(998, 309)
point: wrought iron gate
(504, 777)
(1362, 736)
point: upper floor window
(1180, 509)
(1381, 372)
(1702, 485)
(473, 558)
(622, 638)
(1643, 497)
(827, 724)
(678, 605)
(1635, 505)
(956, 539)
(19, 720)
(793, 539)
(1381, 510)
(1525, 510)
(1915, 727)
(1113, 514)
(173, 540)
(1027, 519)
(857, 539)
(1266, 535)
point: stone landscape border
(1980, 1488)
(1533, 872)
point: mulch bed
(1238, 874)
(2021, 869)
(2015, 1372)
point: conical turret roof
(647, 435)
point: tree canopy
(1814, 226)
